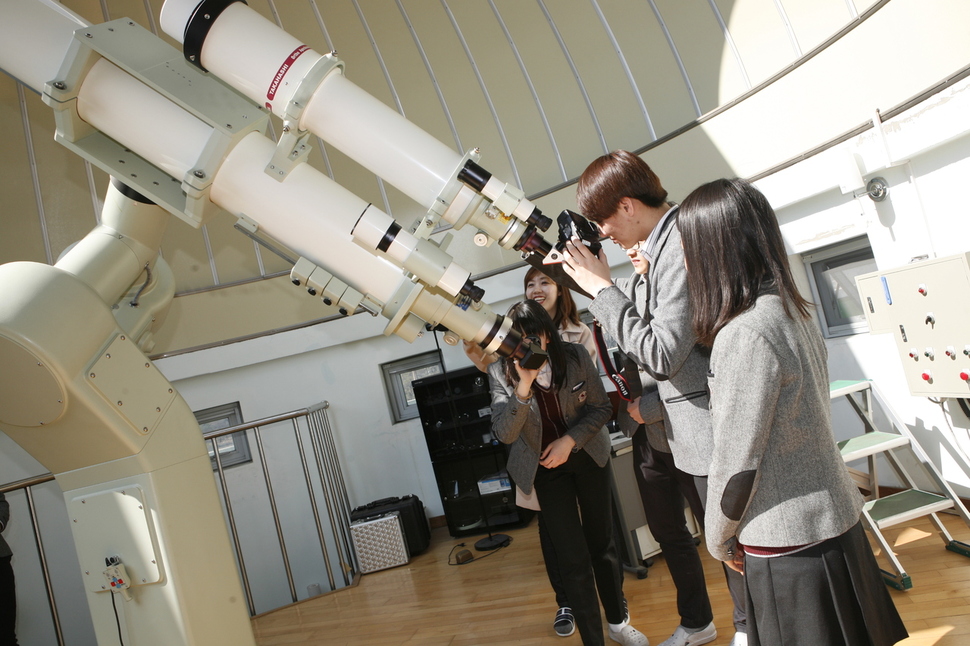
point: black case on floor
(414, 522)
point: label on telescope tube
(281, 72)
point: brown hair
(733, 249)
(610, 178)
(566, 310)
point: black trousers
(577, 505)
(663, 488)
(551, 559)
(735, 580)
(552, 563)
(8, 604)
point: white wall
(925, 214)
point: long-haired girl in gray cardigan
(781, 507)
(553, 417)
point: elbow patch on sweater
(736, 494)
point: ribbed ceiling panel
(539, 86)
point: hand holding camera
(573, 226)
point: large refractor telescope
(128, 102)
(86, 402)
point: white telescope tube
(267, 64)
(267, 70)
(141, 119)
(138, 117)
(380, 139)
(313, 215)
(309, 213)
(44, 29)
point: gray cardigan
(777, 479)
(650, 407)
(585, 407)
(662, 340)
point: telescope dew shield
(268, 65)
(197, 28)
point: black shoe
(565, 624)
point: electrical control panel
(115, 523)
(926, 306)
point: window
(398, 376)
(832, 272)
(233, 448)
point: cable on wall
(680, 62)
(532, 88)
(485, 92)
(431, 75)
(579, 79)
(626, 68)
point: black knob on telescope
(539, 221)
(473, 291)
(474, 175)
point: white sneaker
(681, 637)
(629, 636)
(740, 639)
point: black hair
(733, 249)
(529, 318)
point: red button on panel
(965, 375)
(926, 376)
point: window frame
(843, 250)
(391, 372)
(232, 413)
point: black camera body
(532, 356)
(573, 225)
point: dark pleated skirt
(828, 595)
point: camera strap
(627, 378)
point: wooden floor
(505, 598)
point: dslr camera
(573, 225)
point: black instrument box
(414, 522)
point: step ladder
(880, 513)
